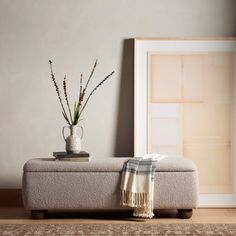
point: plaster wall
(73, 33)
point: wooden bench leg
(38, 214)
(185, 213)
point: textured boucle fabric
(87, 190)
(169, 164)
(49, 184)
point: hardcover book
(64, 156)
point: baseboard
(11, 197)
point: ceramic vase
(73, 141)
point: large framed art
(185, 108)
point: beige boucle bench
(94, 185)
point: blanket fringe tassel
(143, 206)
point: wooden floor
(18, 215)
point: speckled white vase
(73, 141)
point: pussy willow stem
(80, 90)
(66, 97)
(58, 93)
(94, 91)
(91, 74)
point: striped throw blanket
(137, 184)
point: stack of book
(64, 156)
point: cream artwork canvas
(184, 108)
(190, 113)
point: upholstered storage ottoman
(57, 185)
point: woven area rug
(118, 229)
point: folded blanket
(137, 184)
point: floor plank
(17, 215)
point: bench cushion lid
(114, 164)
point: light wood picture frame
(185, 108)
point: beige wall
(73, 33)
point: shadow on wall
(124, 145)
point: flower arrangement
(80, 105)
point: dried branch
(78, 107)
(82, 94)
(98, 85)
(81, 86)
(66, 97)
(58, 93)
(91, 74)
